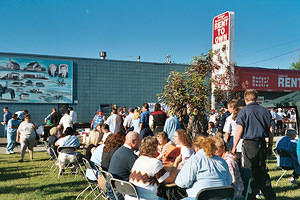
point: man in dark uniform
(254, 125)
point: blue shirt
(256, 121)
(11, 123)
(6, 116)
(290, 145)
(136, 125)
(97, 120)
(68, 141)
(111, 122)
(201, 172)
(144, 118)
(298, 148)
(171, 125)
(96, 158)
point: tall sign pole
(222, 47)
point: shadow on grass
(48, 189)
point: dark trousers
(254, 158)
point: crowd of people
(151, 149)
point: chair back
(52, 152)
(172, 153)
(216, 193)
(66, 149)
(124, 187)
(46, 144)
(86, 163)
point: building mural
(35, 80)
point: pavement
(39, 148)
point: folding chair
(107, 176)
(67, 158)
(92, 184)
(216, 193)
(46, 145)
(246, 175)
(281, 153)
(124, 188)
(54, 163)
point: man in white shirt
(73, 115)
(128, 119)
(66, 120)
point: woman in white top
(230, 127)
(183, 140)
(26, 136)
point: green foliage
(296, 65)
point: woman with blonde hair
(204, 169)
(136, 121)
(95, 138)
(232, 164)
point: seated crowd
(150, 151)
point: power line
(271, 47)
(264, 60)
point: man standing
(12, 127)
(6, 117)
(254, 125)
(73, 115)
(99, 118)
(144, 121)
(66, 120)
(128, 124)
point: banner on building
(24, 80)
(262, 79)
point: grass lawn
(30, 180)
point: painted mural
(25, 80)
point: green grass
(30, 180)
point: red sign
(263, 79)
(221, 28)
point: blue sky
(151, 29)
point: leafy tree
(189, 92)
(296, 65)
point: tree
(191, 90)
(296, 65)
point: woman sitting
(95, 138)
(51, 142)
(163, 144)
(111, 144)
(232, 164)
(147, 171)
(66, 156)
(203, 169)
(183, 140)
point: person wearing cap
(288, 143)
(99, 118)
(6, 117)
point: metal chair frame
(118, 186)
(107, 176)
(93, 185)
(216, 193)
(282, 153)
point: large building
(39, 82)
